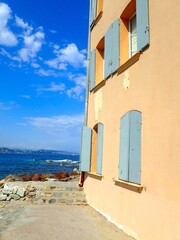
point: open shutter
(100, 148)
(93, 12)
(142, 24)
(92, 69)
(124, 147)
(107, 52)
(135, 147)
(115, 45)
(85, 156)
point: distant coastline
(29, 151)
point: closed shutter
(112, 49)
(85, 156)
(107, 52)
(100, 148)
(124, 147)
(135, 147)
(92, 69)
(142, 24)
(115, 45)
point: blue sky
(43, 58)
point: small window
(97, 148)
(130, 147)
(96, 7)
(100, 61)
(132, 36)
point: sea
(14, 164)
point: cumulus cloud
(32, 45)
(78, 91)
(7, 37)
(20, 23)
(69, 55)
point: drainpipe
(81, 183)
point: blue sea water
(37, 163)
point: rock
(31, 194)
(7, 191)
(52, 201)
(75, 172)
(3, 197)
(37, 177)
(61, 175)
(27, 178)
(15, 197)
(2, 182)
(21, 192)
(31, 188)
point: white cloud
(7, 37)
(26, 96)
(69, 55)
(78, 91)
(56, 123)
(53, 31)
(7, 106)
(32, 45)
(20, 23)
(53, 88)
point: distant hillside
(28, 151)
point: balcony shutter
(142, 24)
(100, 148)
(124, 147)
(92, 69)
(135, 147)
(85, 156)
(107, 52)
(115, 45)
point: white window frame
(130, 43)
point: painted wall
(152, 86)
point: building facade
(130, 142)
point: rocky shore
(42, 188)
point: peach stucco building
(130, 153)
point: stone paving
(57, 210)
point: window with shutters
(97, 149)
(130, 147)
(92, 149)
(96, 10)
(99, 62)
(134, 28)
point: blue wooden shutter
(99, 148)
(135, 147)
(85, 157)
(92, 69)
(142, 24)
(124, 147)
(115, 45)
(107, 52)
(93, 12)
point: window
(130, 147)
(100, 62)
(132, 36)
(134, 29)
(111, 51)
(92, 149)
(123, 39)
(96, 7)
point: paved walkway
(22, 221)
